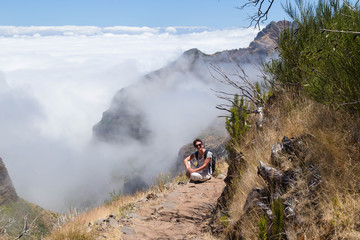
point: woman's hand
(189, 171)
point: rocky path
(182, 214)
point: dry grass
(74, 226)
(221, 167)
(334, 212)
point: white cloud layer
(36, 31)
(55, 82)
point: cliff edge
(7, 190)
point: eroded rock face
(7, 190)
(123, 120)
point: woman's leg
(198, 177)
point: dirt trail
(182, 214)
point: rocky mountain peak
(194, 52)
(7, 190)
(272, 30)
(267, 39)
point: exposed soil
(182, 214)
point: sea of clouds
(55, 83)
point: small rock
(128, 230)
(113, 223)
(151, 196)
(141, 200)
(221, 176)
(132, 215)
(158, 208)
(99, 221)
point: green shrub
(278, 219)
(114, 196)
(224, 220)
(320, 56)
(262, 228)
(236, 124)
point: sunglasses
(198, 145)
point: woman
(198, 166)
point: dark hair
(197, 140)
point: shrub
(262, 228)
(236, 124)
(321, 55)
(278, 221)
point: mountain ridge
(124, 119)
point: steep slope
(14, 211)
(7, 190)
(296, 177)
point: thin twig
(262, 12)
(352, 8)
(339, 31)
(349, 103)
(27, 228)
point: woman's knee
(195, 177)
(199, 177)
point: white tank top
(199, 162)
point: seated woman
(198, 166)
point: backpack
(212, 163)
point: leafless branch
(9, 222)
(27, 228)
(345, 104)
(246, 87)
(350, 6)
(339, 31)
(223, 109)
(263, 7)
(349, 103)
(223, 93)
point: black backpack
(212, 163)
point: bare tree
(27, 228)
(25, 231)
(5, 225)
(244, 87)
(262, 9)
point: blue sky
(151, 13)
